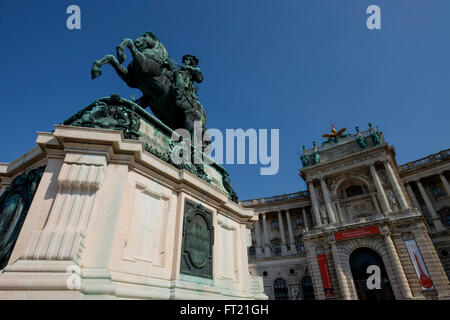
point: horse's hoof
(95, 73)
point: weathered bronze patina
(198, 240)
(14, 204)
(112, 113)
(170, 93)
(117, 113)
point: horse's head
(146, 41)
(149, 41)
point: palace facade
(360, 209)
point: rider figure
(186, 91)
(186, 75)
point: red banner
(356, 233)
(419, 265)
(325, 274)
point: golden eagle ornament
(334, 134)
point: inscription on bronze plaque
(198, 240)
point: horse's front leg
(138, 56)
(96, 67)
(121, 56)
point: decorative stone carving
(360, 209)
(331, 183)
(323, 214)
(392, 199)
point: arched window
(280, 290)
(308, 290)
(354, 190)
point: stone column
(291, 233)
(398, 269)
(375, 203)
(412, 196)
(305, 219)
(445, 183)
(266, 236)
(258, 239)
(343, 285)
(283, 235)
(434, 216)
(328, 205)
(395, 185)
(340, 212)
(380, 191)
(315, 205)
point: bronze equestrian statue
(170, 94)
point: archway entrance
(360, 260)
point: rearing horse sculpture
(152, 71)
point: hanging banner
(419, 265)
(356, 233)
(325, 274)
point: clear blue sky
(293, 65)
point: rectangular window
(274, 225)
(300, 247)
(437, 191)
(277, 249)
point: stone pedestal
(112, 218)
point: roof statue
(362, 141)
(334, 135)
